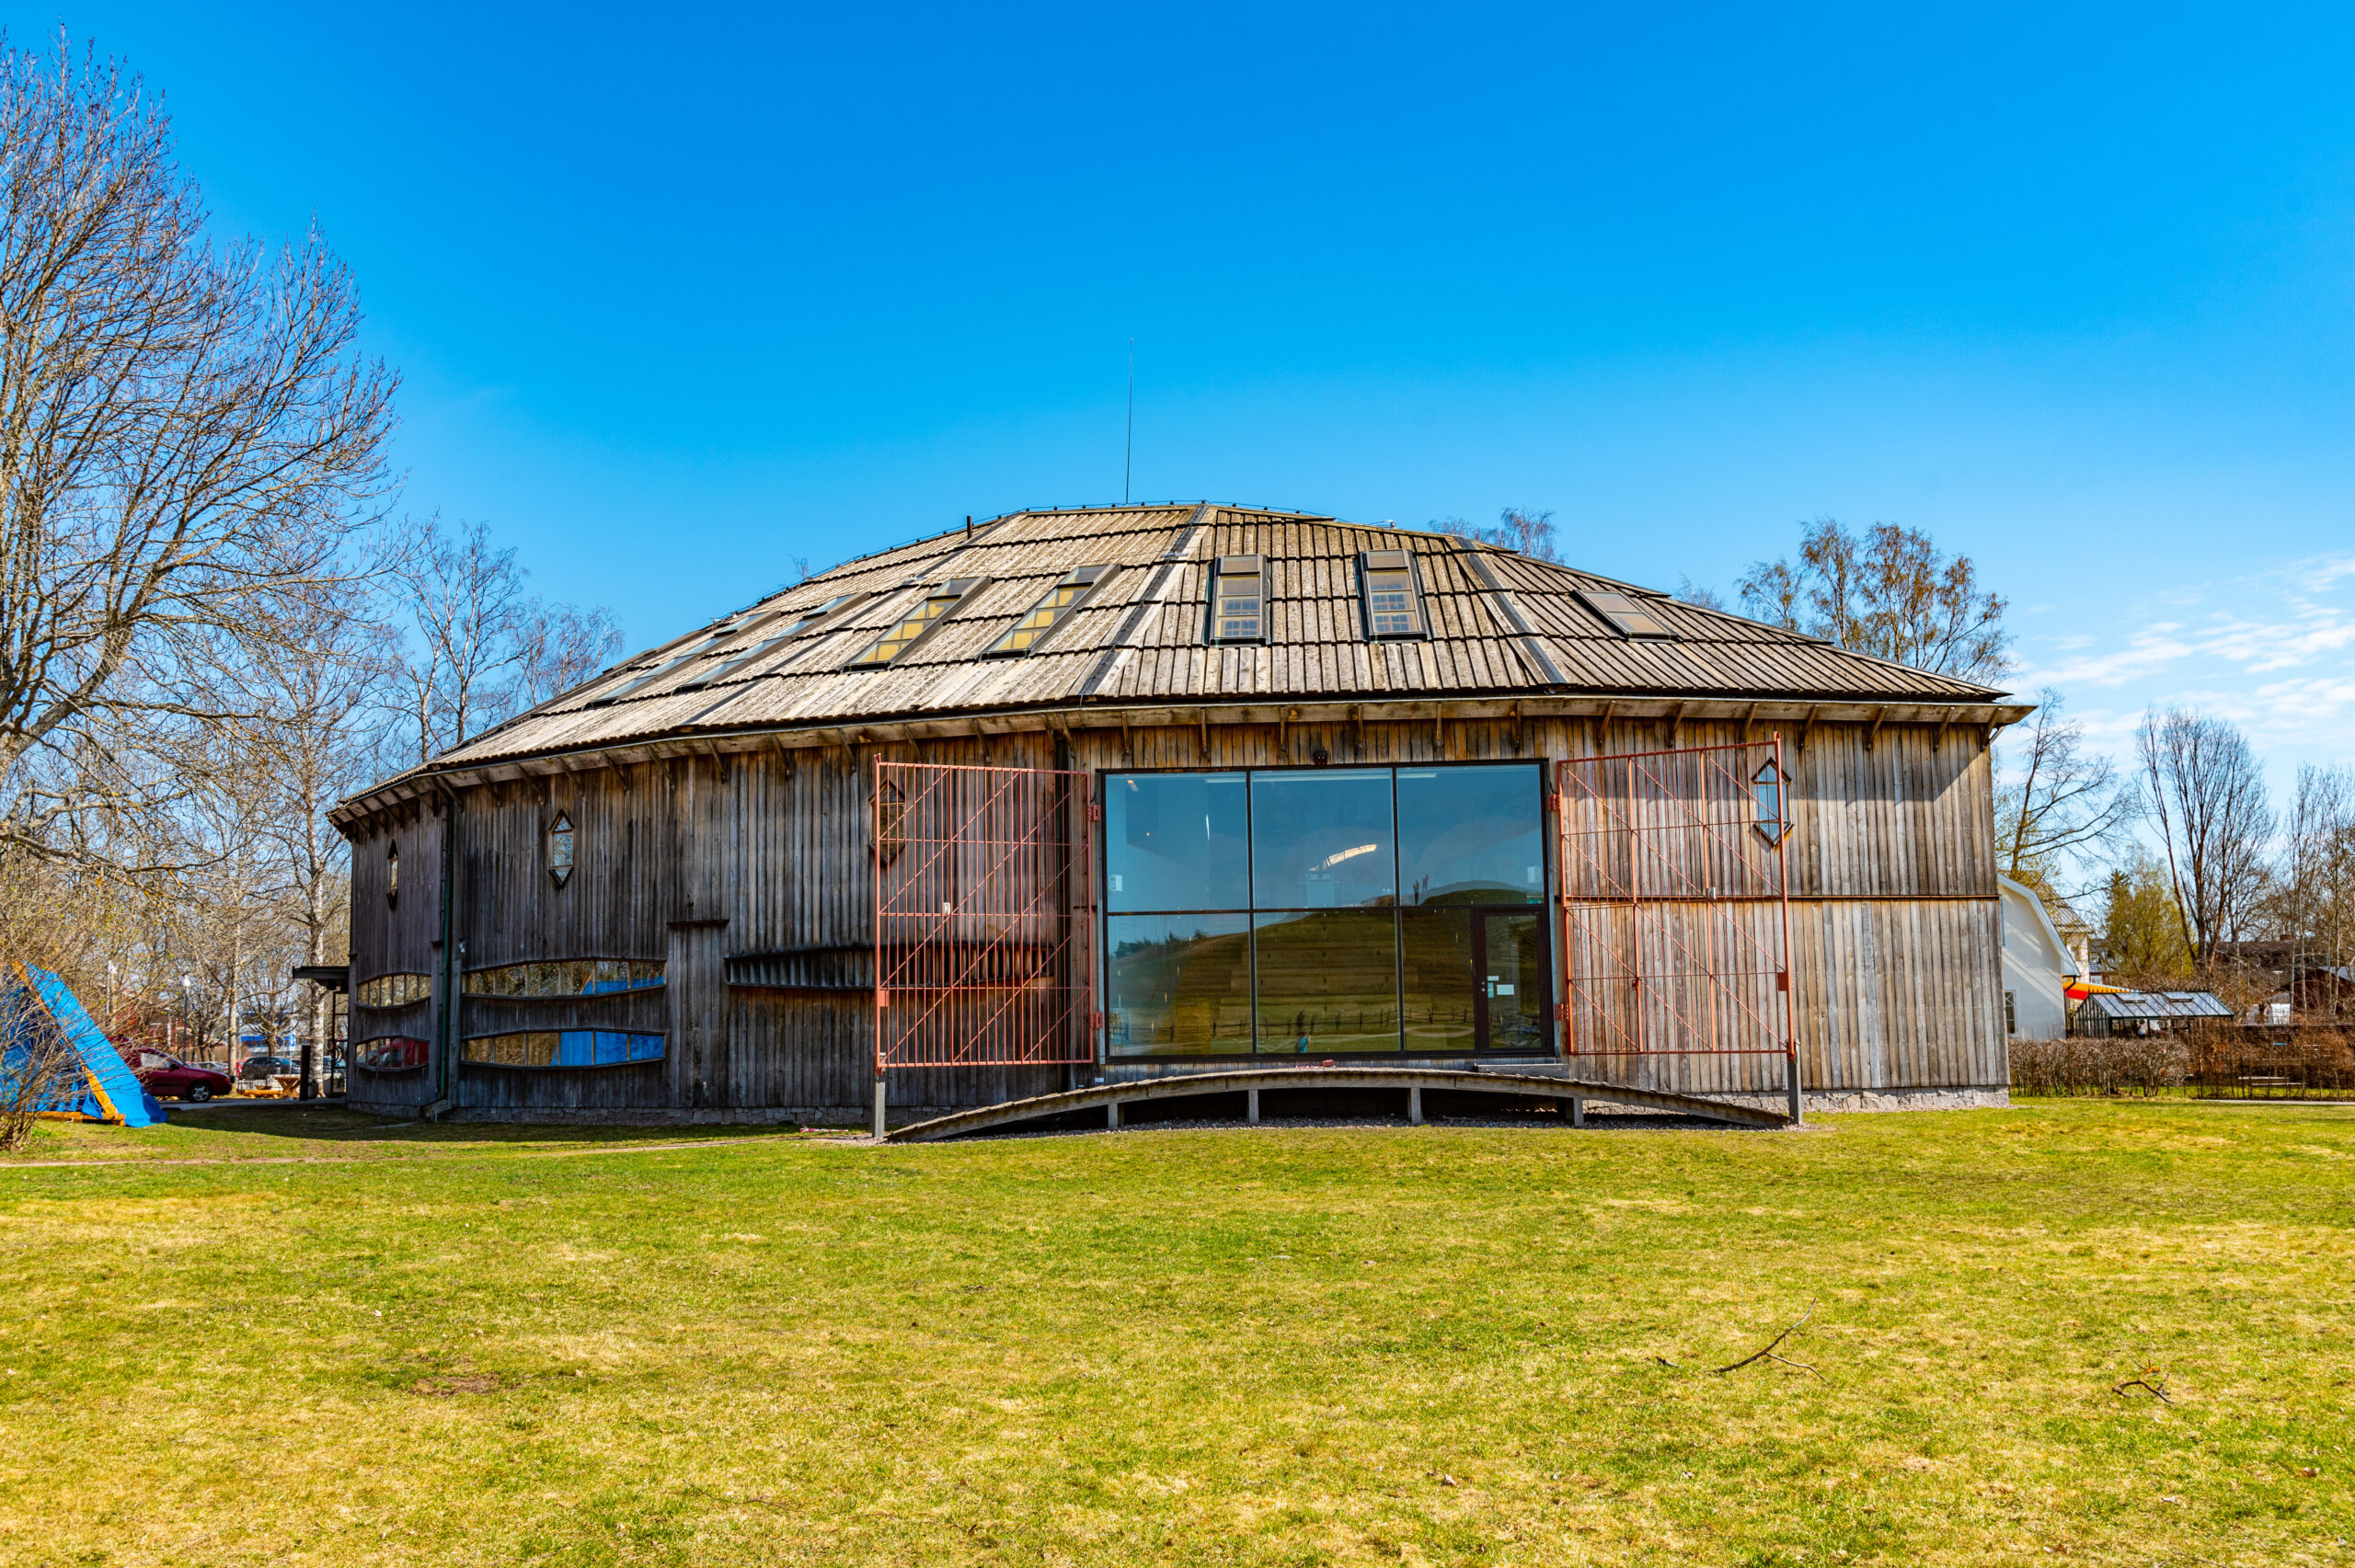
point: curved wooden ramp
(1519, 1085)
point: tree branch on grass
(1768, 1353)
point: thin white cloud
(2272, 649)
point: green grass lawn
(271, 1337)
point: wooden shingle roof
(1500, 625)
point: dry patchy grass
(1341, 1345)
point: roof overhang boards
(1968, 716)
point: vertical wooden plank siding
(691, 861)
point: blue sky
(683, 293)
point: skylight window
(1626, 617)
(1392, 609)
(1052, 610)
(673, 662)
(930, 611)
(808, 621)
(1239, 599)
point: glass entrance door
(1509, 956)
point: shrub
(2244, 1061)
(2123, 1065)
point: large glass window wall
(1326, 912)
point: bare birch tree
(1889, 592)
(2204, 792)
(188, 434)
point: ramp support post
(1415, 1106)
(879, 1107)
(1251, 1107)
(1577, 1110)
(1791, 1081)
(1112, 1116)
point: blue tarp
(106, 1090)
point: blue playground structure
(35, 1002)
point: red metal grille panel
(982, 898)
(1676, 904)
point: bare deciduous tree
(487, 649)
(2313, 897)
(38, 1063)
(1889, 592)
(561, 646)
(1521, 528)
(311, 740)
(1691, 592)
(187, 433)
(2058, 800)
(2204, 792)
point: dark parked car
(166, 1076)
(253, 1068)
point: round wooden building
(1080, 799)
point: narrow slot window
(808, 621)
(1392, 609)
(1239, 599)
(560, 850)
(1625, 616)
(930, 611)
(1766, 788)
(1052, 610)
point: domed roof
(1112, 606)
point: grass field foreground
(343, 1342)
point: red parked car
(164, 1076)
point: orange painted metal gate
(1675, 910)
(983, 900)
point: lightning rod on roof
(1128, 461)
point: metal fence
(1675, 909)
(983, 896)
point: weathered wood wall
(699, 860)
(396, 937)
